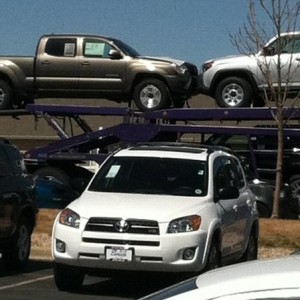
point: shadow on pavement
(32, 266)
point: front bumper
(163, 252)
(201, 88)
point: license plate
(118, 254)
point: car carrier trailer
(63, 159)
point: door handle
(45, 62)
(85, 63)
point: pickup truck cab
(90, 66)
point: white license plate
(118, 254)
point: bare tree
(278, 16)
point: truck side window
(61, 47)
(94, 48)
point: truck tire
(294, 186)
(56, 173)
(151, 94)
(6, 95)
(233, 92)
(16, 255)
(67, 278)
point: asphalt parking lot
(37, 282)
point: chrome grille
(118, 225)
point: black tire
(251, 251)
(6, 96)
(53, 172)
(214, 257)
(151, 94)
(16, 255)
(234, 92)
(263, 210)
(294, 186)
(290, 209)
(68, 278)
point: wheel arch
(245, 74)
(216, 235)
(142, 76)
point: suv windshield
(151, 175)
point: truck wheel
(151, 94)
(6, 95)
(294, 186)
(16, 255)
(52, 172)
(233, 92)
(67, 278)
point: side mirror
(269, 51)
(228, 193)
(114, 54)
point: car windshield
(152, 175)
(128, 50)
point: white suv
(237, 81)
(166, 207)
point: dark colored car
(261, 153)
(17, 207)
(53, 193)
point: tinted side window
(291, 45)
(227, 172)
(61, 47)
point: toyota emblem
(122, 226)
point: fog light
(188, 254)
(60, 246)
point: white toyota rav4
(166, 207)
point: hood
(141, 206)
(164, 59)
(234, 59)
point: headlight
(182, 69)
(69, 218)
(185, 224)
(207, 65)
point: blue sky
(192, 30)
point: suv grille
(192, 68)
(118, 225)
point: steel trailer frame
(143, 127)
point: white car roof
(251, 276)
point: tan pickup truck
(90, 66)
